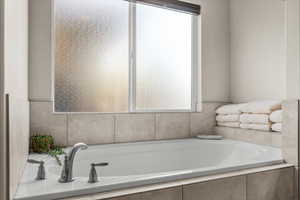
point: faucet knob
(93, 176)
(41, 175)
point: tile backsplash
(95, 128)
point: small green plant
(45, 144)
(41, 143)
(55, 152)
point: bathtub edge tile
(269, 184)
(204, 122)
(231, 188)
(44, 121)
(172, 126)
(134, 127)
(90, 128)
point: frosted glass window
(91, 55)
(163, 59)
(114, 56)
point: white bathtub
(137, 164)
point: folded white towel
(228, 118)
(276, 116)
(261, 127)
(254, 118)
(230, 109)
(276, 127)
(229, 124)
(261, 107)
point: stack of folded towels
(229, 115)
(276, 119)
(256, 115)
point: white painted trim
(52, 50)
(3, 154)
(195, 67)
(132, 58)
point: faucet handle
(99, 164)
(32, 161)
(41, 175)
(93, 176)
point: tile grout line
(190, 125)
(154, 126)
(298, 150)
(67, 129)
(246, 190)
(182, 192)
(115, 128)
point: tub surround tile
(257, 137)
(290, 131)
(69, 128)
(252, 136)
(224, 189)
(204, 122)
(43, 121)
(165, 194)
(135, 127)
(172, 125)
(226, 132)
(90, 129)
(271, 185)
(277, 140)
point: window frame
(195, 67)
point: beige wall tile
(135, 127)
(277, 140)
(104, 128)
(226, 132)
(224, 189)
(271, 185)
(43, 121)
(290, 131)
(165, 194)
(90, 128)
(204, 122)
(251, 136)
(172, 125)
(254, 136)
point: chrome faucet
(67, 171)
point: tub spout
(67, 171)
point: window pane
(91, 55)
(163, 59)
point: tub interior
(168, 156)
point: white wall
(215, 55)
(258, 49)
(16, 85)
(40, 72)
(215, 50)
(293, 43)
